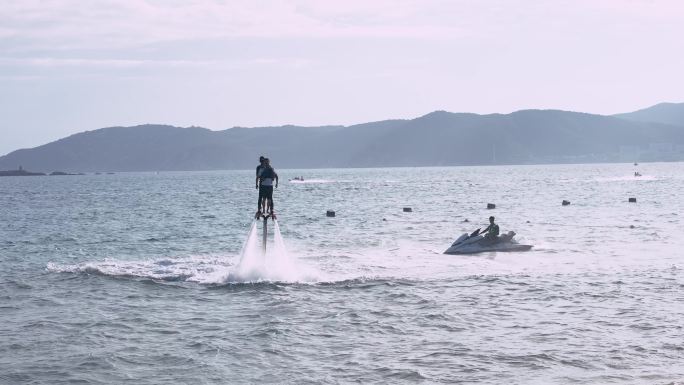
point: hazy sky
(70, 65)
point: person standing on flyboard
(259, 169)
(267, 177)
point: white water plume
(275, 264)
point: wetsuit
(259, 169)
(268, 175)
(492, 231)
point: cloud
(54, 25)
(106, 63)
(71, 24)
(295, 34)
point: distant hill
(667, 113)
(436, 139)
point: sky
(68, 66)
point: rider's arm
(276, 178)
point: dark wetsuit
(492, 231)
(259, 168)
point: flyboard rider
(259, 169)
(266, 175)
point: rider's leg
(269, 197)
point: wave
(218, 271)
(201, 269)
(629, 178)
(309, 181)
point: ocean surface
(136, 278)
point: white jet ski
(476, 243)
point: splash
(275, 264)
(250, 256)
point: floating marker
(329, 213)
(408, 210)
(491, 206)
(466, 220)
(632, 200)
(565, 203)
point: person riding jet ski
(490, 241)
(492, 232)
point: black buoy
(466, 220)
(408, 210)
(565, 203)
(329, 213)
(632, 200)
(491, 206)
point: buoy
(329, 213)
(408, 210)
(632, 200)
(466, 220)
(565, 203)
(491, 206)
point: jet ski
(476, 243)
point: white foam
(201, 269)
(276, 265)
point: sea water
(149, 278)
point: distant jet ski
(476, 243)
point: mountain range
(439, 138)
